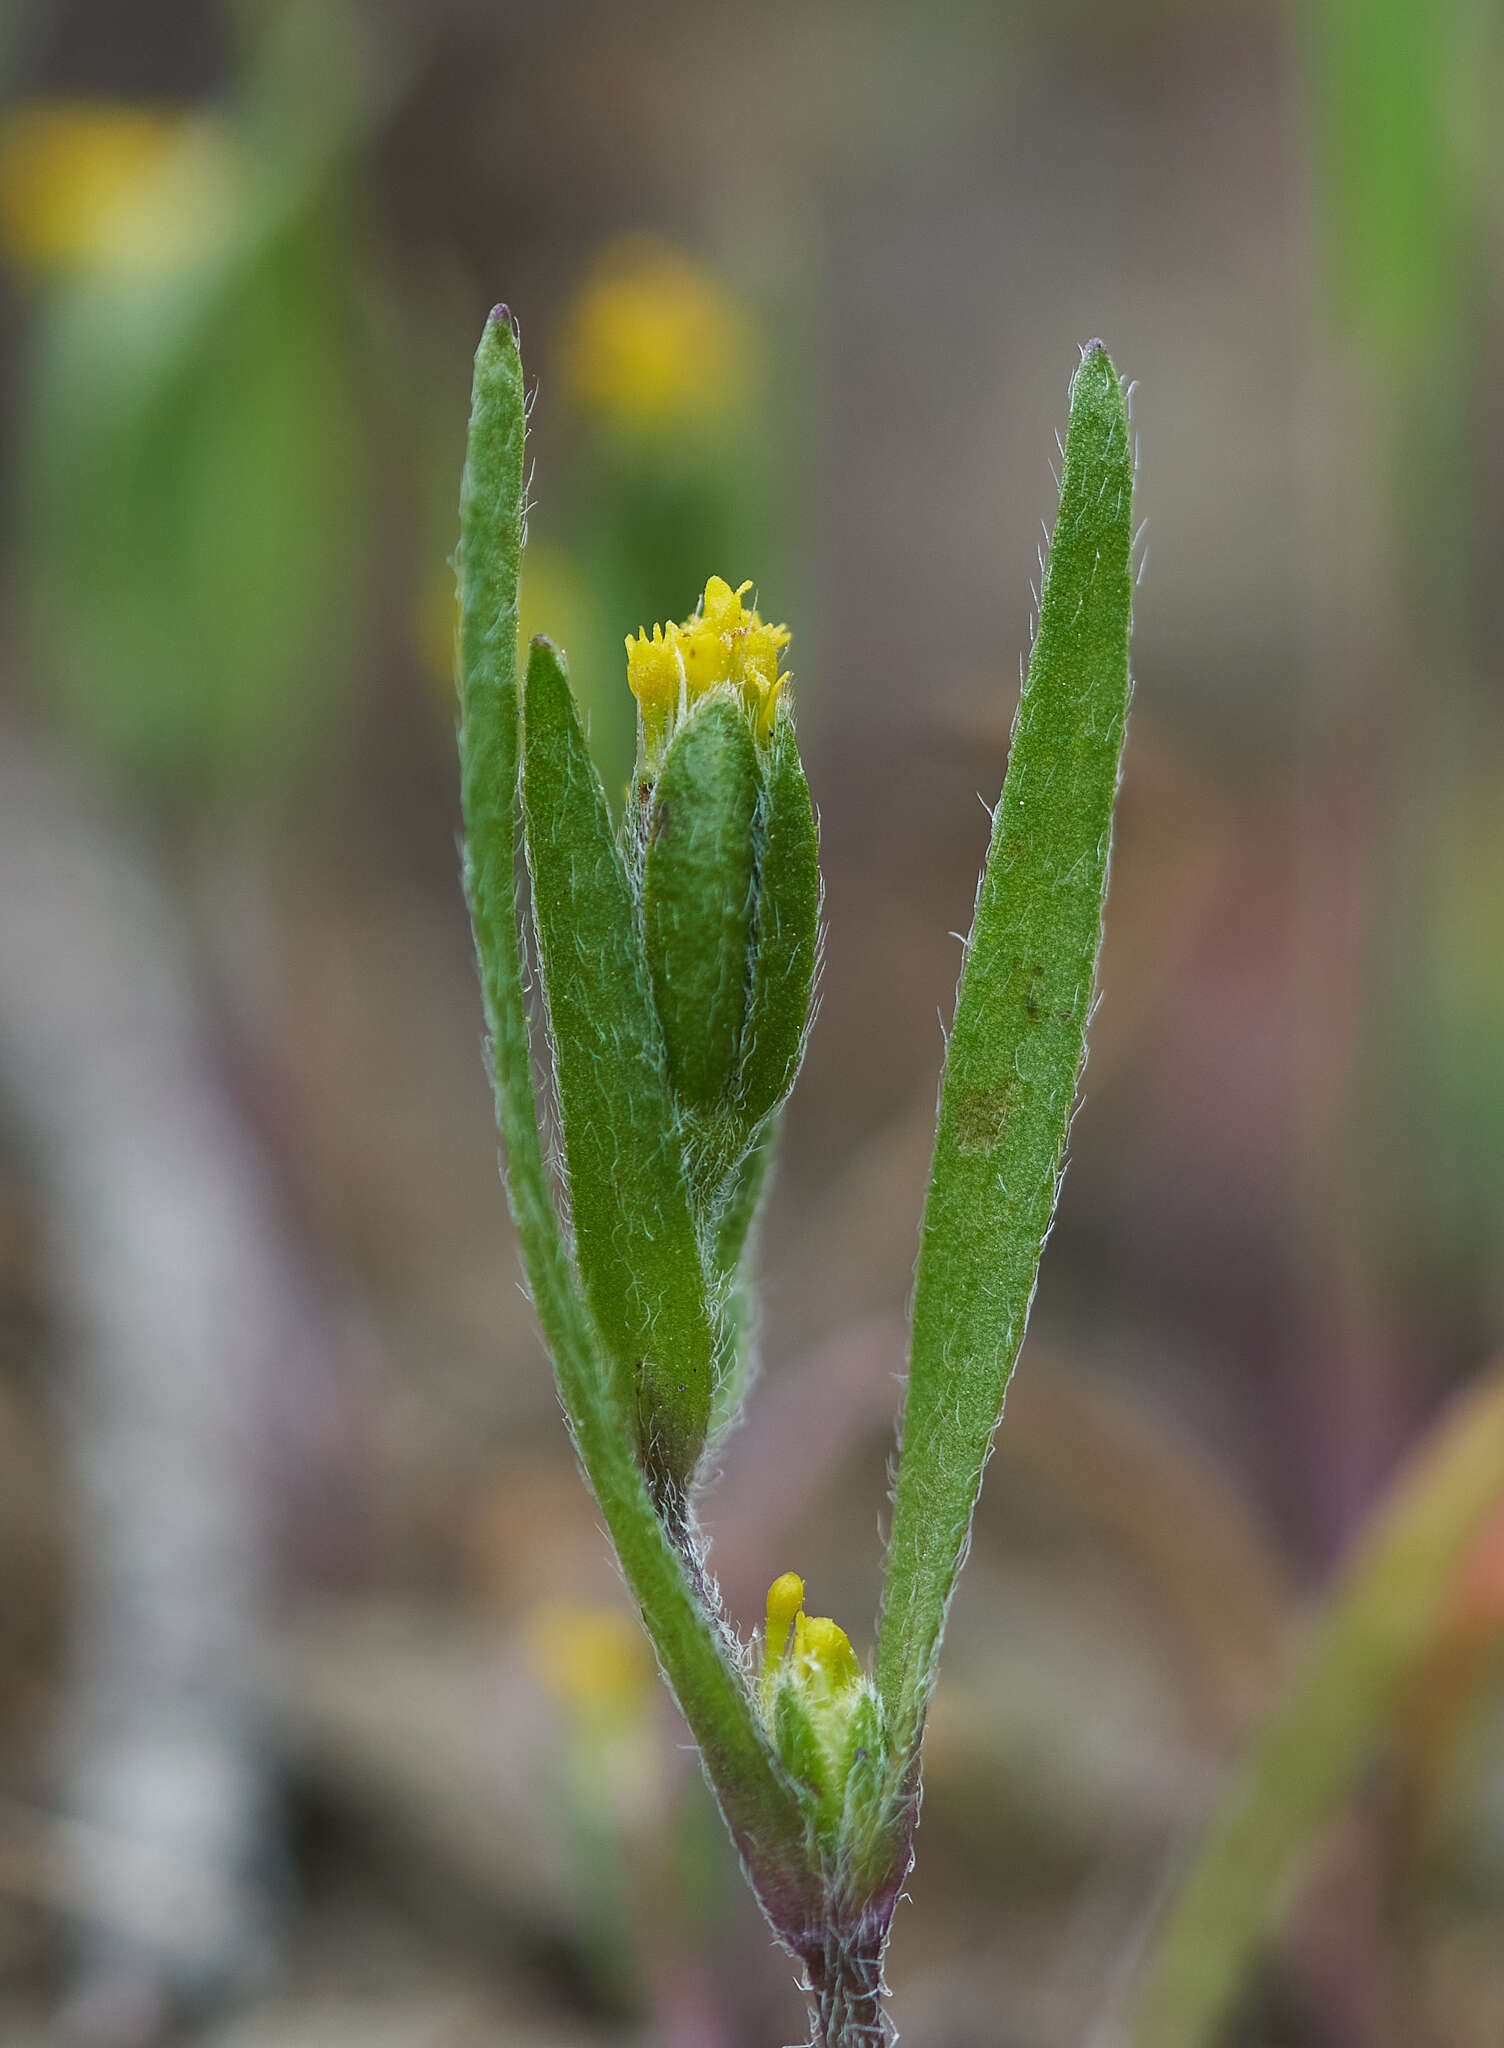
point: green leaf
(1018, 1041)
(697, 896)
(1377, 1627)
(759, 1806)
(787, 931)
(486, 569)
(635, 1239)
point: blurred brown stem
(172, 1280)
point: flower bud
(730, 865)
(823, 1715)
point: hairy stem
(847, 1994)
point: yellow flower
(652, 338)
(103, 183)
(721, 643)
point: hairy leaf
(634, 1237)
(760, 1808)
(1018, 1041)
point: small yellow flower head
(653, 339)
(722, 642)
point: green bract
(786, 925)
(678, 963)
(697, 878)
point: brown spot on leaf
(982, 1116)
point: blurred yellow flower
(555, 597)
(722, 642)
(595, 1660)
(653, 339)
(109, 184)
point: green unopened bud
(823, 1715)
(730, 869)
(697, 896)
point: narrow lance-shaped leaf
(1018, 1041)
(634, 1237)
(758, 1805)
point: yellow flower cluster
(722, 642)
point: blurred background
(323, 1718)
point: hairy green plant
(678, 959)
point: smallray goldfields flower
(678, 959)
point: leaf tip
(1095, 373)
(501, 334)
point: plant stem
(846, 1991)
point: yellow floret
(785, 1602)
(720, 643)
(785, 1599)
(824, 1649)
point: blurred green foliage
(1398, 95)
(1371, 1640)
(1384, 84)
(191, 498)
